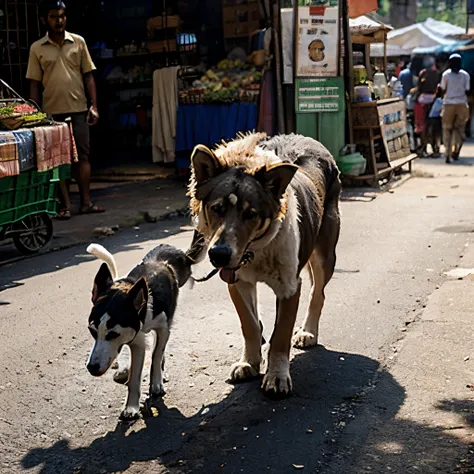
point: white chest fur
(277, 263)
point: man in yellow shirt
(61, 63)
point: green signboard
(319, 95)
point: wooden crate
(240, 21)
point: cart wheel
(38, 230)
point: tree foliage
(452, 11)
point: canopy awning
(427, 34)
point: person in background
(434, 122)
(61, 63)
(455, 84)
(428, 81)
(406, 79)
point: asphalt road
(56, 418)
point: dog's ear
(138, 294)
(277, 178)
(102, 282)
(205, 164)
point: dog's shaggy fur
(266, 208)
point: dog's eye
(250, 214)
(111, 335)
(218, 209)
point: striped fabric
(9, 163)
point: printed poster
(318, 39)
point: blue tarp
(464, 48)
(444, 48)
(209, 124)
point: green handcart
(26, 203)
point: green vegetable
(34, 117)
(6, 111)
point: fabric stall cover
(361, 7)
(26, 149)
(9, 163)
(165, 106)
(53, 146)
(210, 124)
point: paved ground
(389, 389)
(127, 205)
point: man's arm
(35, 74)
(87, 67)
(93, 115)
(35, 91)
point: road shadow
(404, 445)
(126, 241)
(245, 430)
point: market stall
(174, 83)
(378, 122)
(35, 153)
(219, 104)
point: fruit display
(18, 114)
(230, 81)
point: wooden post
(385, 54)
(348, 67)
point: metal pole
(278, 64)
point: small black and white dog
(126, 309)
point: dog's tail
(103, 254)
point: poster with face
(318, 41)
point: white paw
(157, 390)
(242, 371)
(130, 413)
(121, 376)
(304, 339)
(277, 384)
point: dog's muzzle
(229, 275)
(220, 255)
(94, 369)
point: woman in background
(428, 81)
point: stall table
(379, 129)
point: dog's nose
(94, 369)
(220, 255)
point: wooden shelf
(398, 163)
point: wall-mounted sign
(319, 95)
(317, 38)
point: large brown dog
(265, 208)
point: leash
(246, 259)
(208, 276)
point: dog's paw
(305, 340)
(121, 376)
(157, 390)
(242, 371)
(130, 414)
(277, 384)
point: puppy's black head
(117, 315)
(178, 260)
